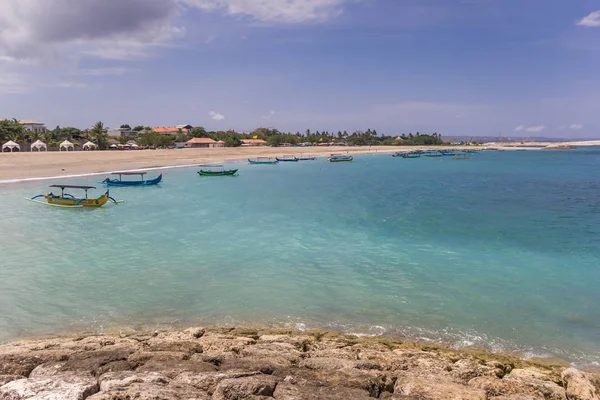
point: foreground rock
(232, 364)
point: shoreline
(284, 364)
(29, 166)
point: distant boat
(447, 153)
(263, 160)
(436, 154)
(305, 158)
(69, 201)
(340, 158)
(287, 159)
(220, 171)
(409, 154)
(140, 182)
(462, 157)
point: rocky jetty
(231, 364)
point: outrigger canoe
(287, 159)
(263, 160)
(340, 158)
(221, 172)
(141, 182)
(307, 158)
(407, 155)
(70, 201)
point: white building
(32, 126)
(121, 132)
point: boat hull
(288, 159)
(218, 173)
(148, 182)
(262, 162)
(75, 202)
(341, 159)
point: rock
(579, 385)
(172, 368)
(266, 365)
(151, 391)
(433, 387)
(287, 391)
(47, 370)
(515, 397)
(196, 332)
(533, 383)
(208, 381)
(326, 363)
(116, 380)
(24, 363)
(242, 388)
(66, 386)
(4, 379)
(92, 361)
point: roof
(169, 129)
(183, 127)
(254, 141)
(29, 122)
(73, 187)
(200, 140)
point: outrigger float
(140, 182)
(221, 171)
(69, 201)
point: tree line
(146, 137)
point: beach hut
(66, 145)
(39, 145)
(11, 146)
(90, 146)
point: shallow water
(502, 251)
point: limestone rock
(288, 391)
(208, 381)
(59, 387)
(92, 361)
(579, 385)
(116, 380)
(4, 379)
(242, 388)
(172, 368)
(196, 332)
(533, 383)
(151, 391)
(433, 388)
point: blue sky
(459, 67)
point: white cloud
(107, 71)
(591, 20)
(535, 129)
(531, 129)
(290, 11)
(216, 116)
(269, 115)
(576, 126)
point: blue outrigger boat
(306, 158)
(410, 154)
(263, 160)
(141, 182)
(340, 158)
(287, 159)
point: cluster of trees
(12, 130)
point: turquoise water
(501, 251)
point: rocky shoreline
(245, 363)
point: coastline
(284, 364)
(28, 166)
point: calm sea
(501, 251)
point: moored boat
(216, 170)
(140, 182)
(287, 159)
(306, 158)
(462, 157)
(69, 201)
(263, 160)
(434, 154)
(340, 158)
(405, 154)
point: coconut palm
(98, 134)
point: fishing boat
(340, 158)
(447, 153)
(287, 159)
(140, 182)
(434, 154)
(405, 154)
(306, 158)
(216, 170)
(263, 160)
(462, 157)
(69, 201)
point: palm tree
(98, 134)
